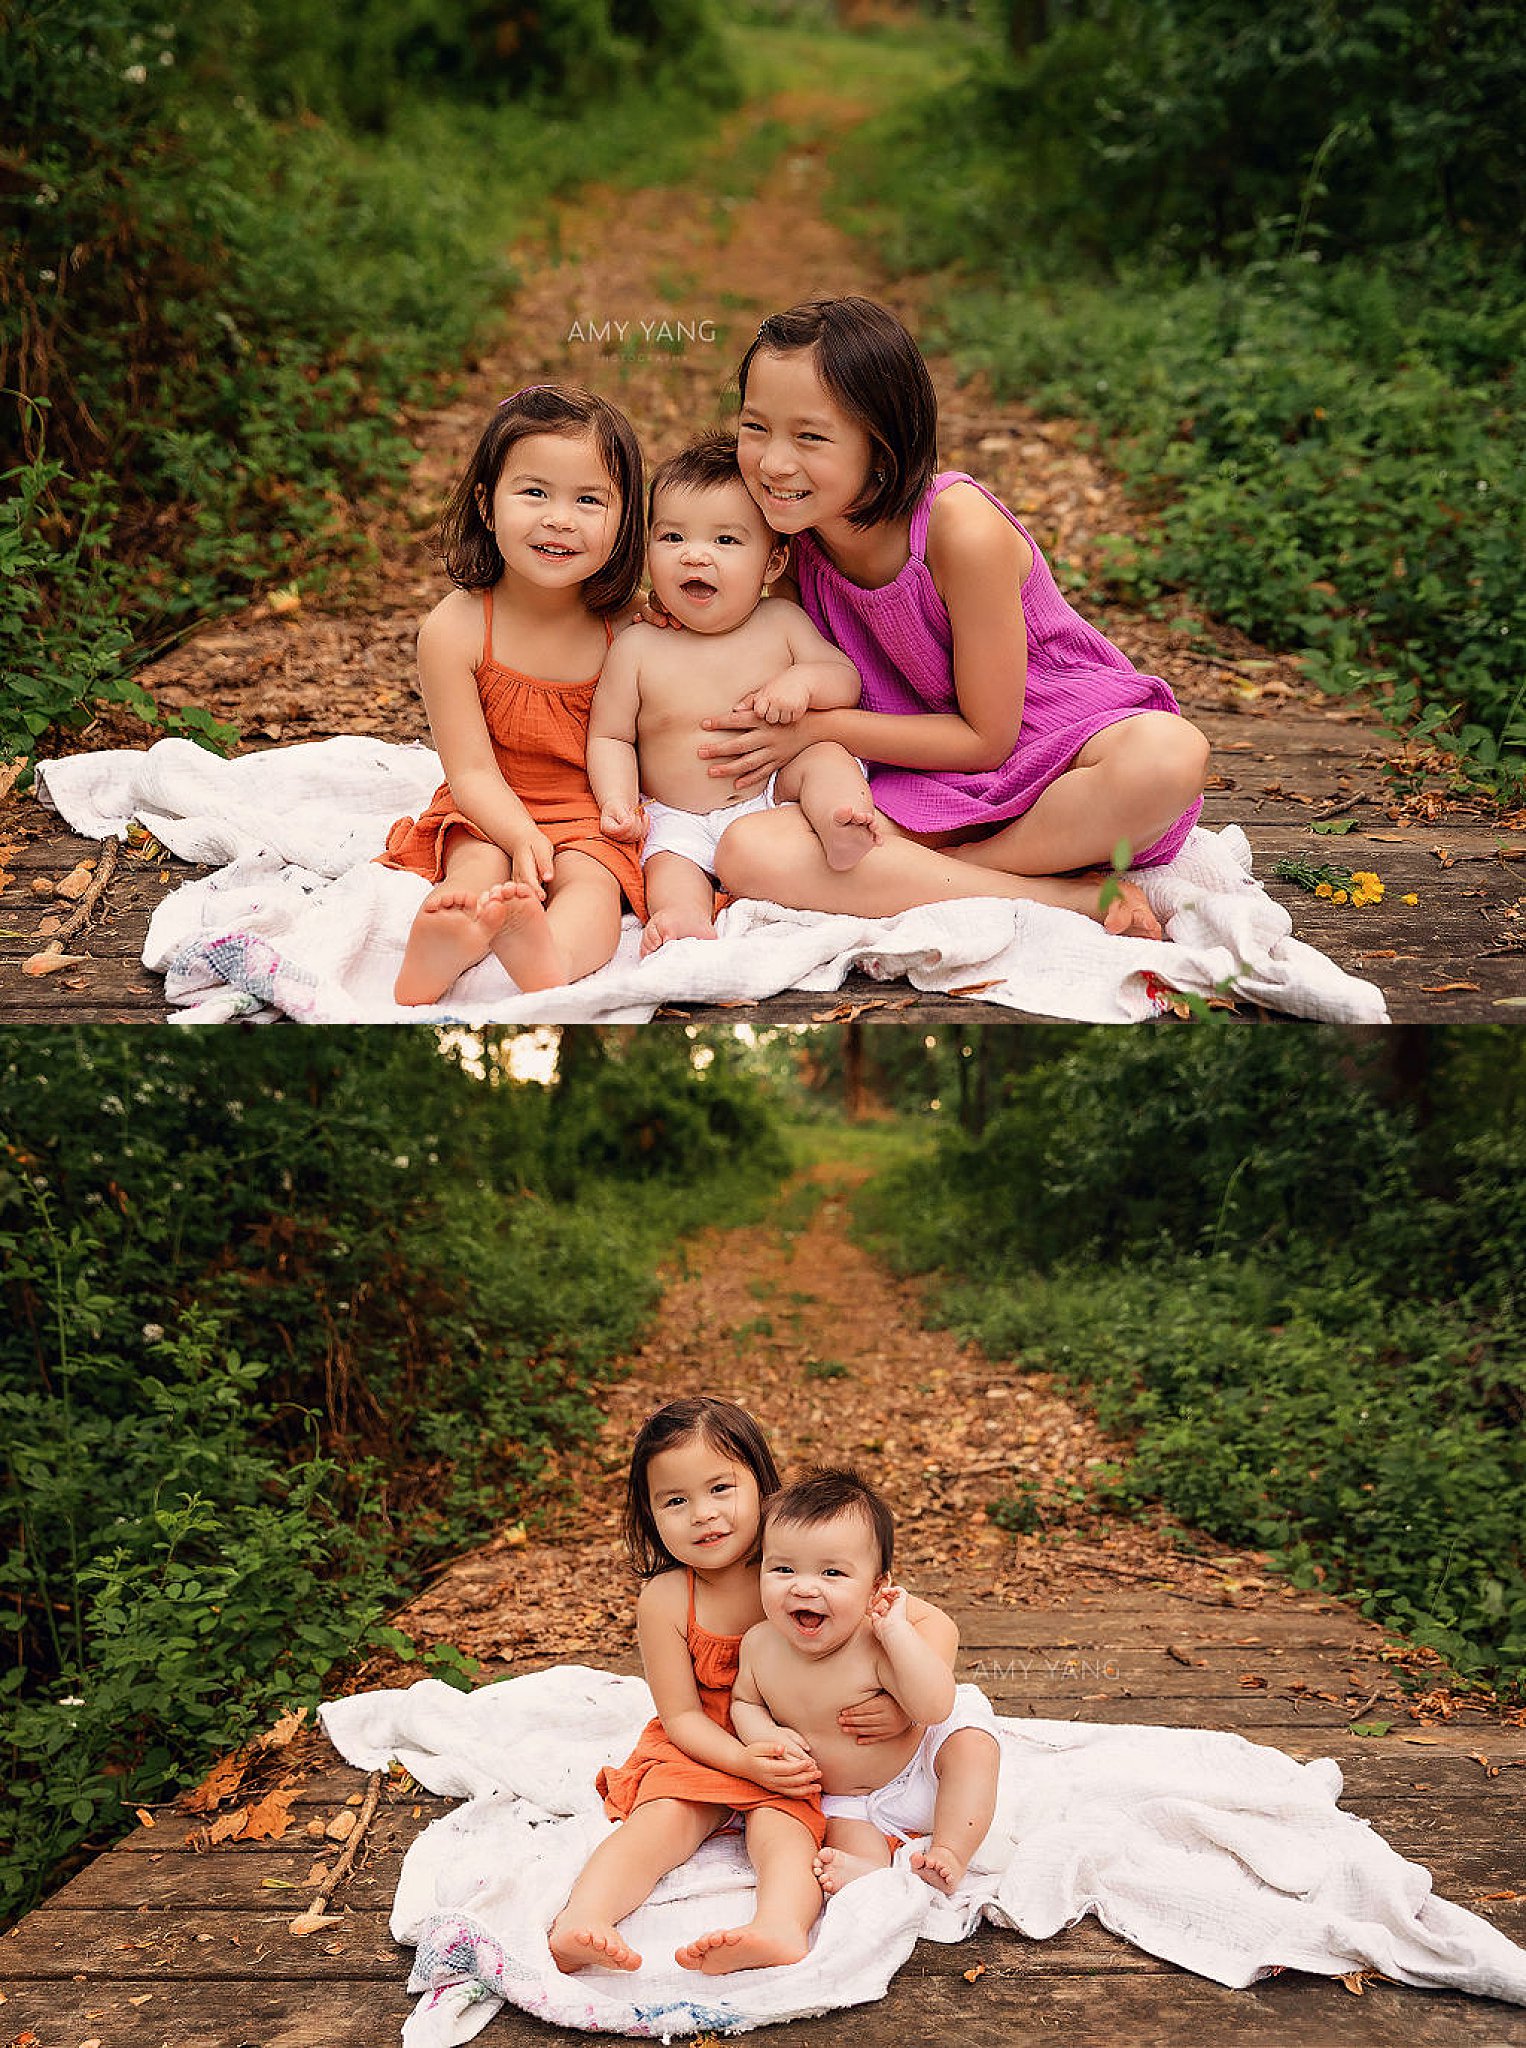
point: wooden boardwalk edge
(157, 1945)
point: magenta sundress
(902, 643)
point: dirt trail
(794, 1320)
(687, 272)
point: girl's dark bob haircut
(875, 371)
(465, 542)
(722, 1423)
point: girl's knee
(750, 851)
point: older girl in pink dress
(1012, 747)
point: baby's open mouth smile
(697, 590)
(808, 1621)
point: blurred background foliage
(1272, 252)
(283, 1319)
(233, 242)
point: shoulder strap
(487, 624)
(689, 1574)
(924, 511)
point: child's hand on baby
(779, 1766)
(623, 821)
(784, 701)
(530, 858)
(887, 1610)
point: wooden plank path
(158, 1946)
(1457, 956)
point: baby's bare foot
(938, 1866)
(849, 834)
(515, 917)
(663, 925)
(753, 1947)
(595, 1942)
(833, 1868)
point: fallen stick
(317, 1914)
(105, 868)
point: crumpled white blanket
(299, 920)
(1218, 1854)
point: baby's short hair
(705, 465)
(830, 1491)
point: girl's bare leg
(680, 901)
(832, 790)
(775, 855)
(1130, 781)
(852, 1849)
(966, 1769)
(448, 935)
(574, 931)
(619, 1875)
(789, 1899)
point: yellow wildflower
(1340, 896)
(1409, 899)
(1324, 889)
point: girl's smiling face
(705, 1504)
(803, 458)
(555, 510)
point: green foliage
(281, 1321)
(1273, 252)
(1290, 1269)
(1332, 457)
(231, 249)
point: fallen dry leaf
(146, 1819)
(1446, 988)
(228, 1826)
(270, 1816)
(49, 962)
(310, 1922)
(220, 1783)
(971, 1976)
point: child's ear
(778, 561)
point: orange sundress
(658, 1769)
(539, 731)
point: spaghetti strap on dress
(901, 640)
(658, 1769)
(539, 732)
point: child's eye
(670, 536)
(752, 427)
(591, 498)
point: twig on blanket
(317, 1914)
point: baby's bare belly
(672, 771)
(849, 1767)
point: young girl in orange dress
(543, 538)
(700, 1470)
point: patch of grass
(826, 1369)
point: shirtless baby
(710, 554)
(837, 1630)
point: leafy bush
(231, 248)
(1292, 1275)
(281, 1320)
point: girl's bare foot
(753, 1947)
(833, 1868)
(448, 936)
(520, 936)
(938, 1866)
(1129, 915)
(576, 1948)
(673, 924)
(849, 834)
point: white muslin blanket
(1218, 1854)
(299, 920)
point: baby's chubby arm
(613, 773)
(916, 1662)
(818, 678)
